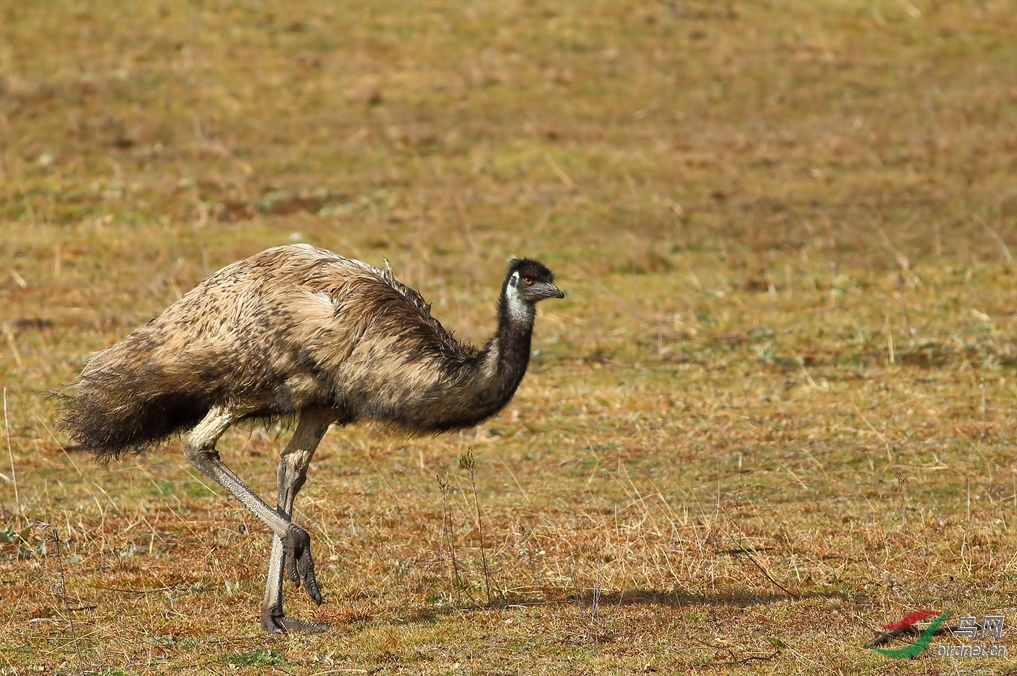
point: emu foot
(274, 622)
(299, 564)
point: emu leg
(200, 451)
(292, 474)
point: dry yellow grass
(774, 412)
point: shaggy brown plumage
(297, 329)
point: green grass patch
(259, 657)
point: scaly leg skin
(294, 541)
(285, 557)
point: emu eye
(528, 281)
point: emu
(297, 330)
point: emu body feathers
(296, 329)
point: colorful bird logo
(923, 640)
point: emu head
(530, 281)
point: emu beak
(553, 291)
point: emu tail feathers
(110, 411)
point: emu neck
(505, 357)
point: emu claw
(299, 564)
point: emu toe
(273, 621)
(299, 564)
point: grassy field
(774, 412)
